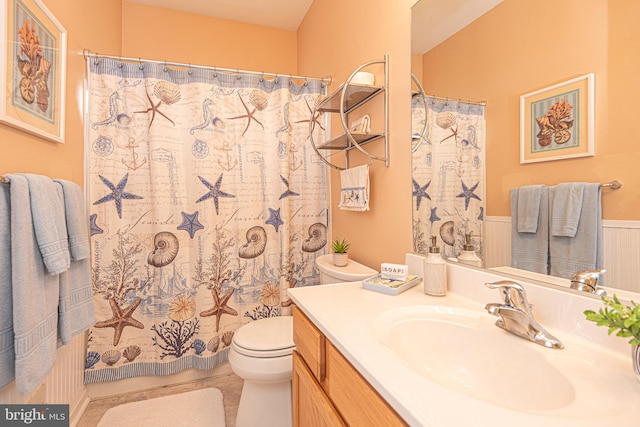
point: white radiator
(63, 385)
(621, 243)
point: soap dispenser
(468, 254)
(435, 271)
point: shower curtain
(448, 174)
(207, 204)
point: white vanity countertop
(606, 389)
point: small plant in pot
(340, 248)
(621, 318)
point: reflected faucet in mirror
(586, 281)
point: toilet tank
(352, 272)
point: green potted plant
(340, 248)
(622, 319)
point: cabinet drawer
(310, 343)
(311, 407)
(358, 403)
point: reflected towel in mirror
(528, 208)
(566, 208)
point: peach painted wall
(519, 47)
(95, 25)
(165, 34)
(335, 38)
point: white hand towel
(566, 208)
(354, 189)
(528, 208)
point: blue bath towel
(35, 293)
(528, 208)
(75, 309)
(584, 251)
(566, 208)
(76, 219)
(47, 208)
(530, 251)
(7, 354)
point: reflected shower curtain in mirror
(448, 175)
(206, 205)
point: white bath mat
(198, 408)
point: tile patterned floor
(230, 385)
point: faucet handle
(513, 293)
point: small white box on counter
(394, 271)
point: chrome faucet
(586, 281)
(515, 315)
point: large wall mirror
(496, 51)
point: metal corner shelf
(355, 96)
(345, 99)
(342, 142)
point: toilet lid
(269, 337)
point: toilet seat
(265, 338)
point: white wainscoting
(621, 244)
(63, 385)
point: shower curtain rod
(483, 103)
(614, 185)
(88, 54)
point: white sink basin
(464, 351)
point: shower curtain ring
(95, 60)
(141, 67)
(165, 69)
(238, 76)
(190, 70)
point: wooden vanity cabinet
(327, 389)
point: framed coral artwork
(557, 122)
(33, 69)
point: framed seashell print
(557, 122)
(33, 69)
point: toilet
(260, 354)
(352, 272)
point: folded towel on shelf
(354, 189)
(49, 222)
(75, 309)
(35, 293)
(76, 219)
(566, 207)
(584, 251)
(528, 208)
(7, 354)
(530, 251)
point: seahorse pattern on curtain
(448, 175)
(207, 204)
